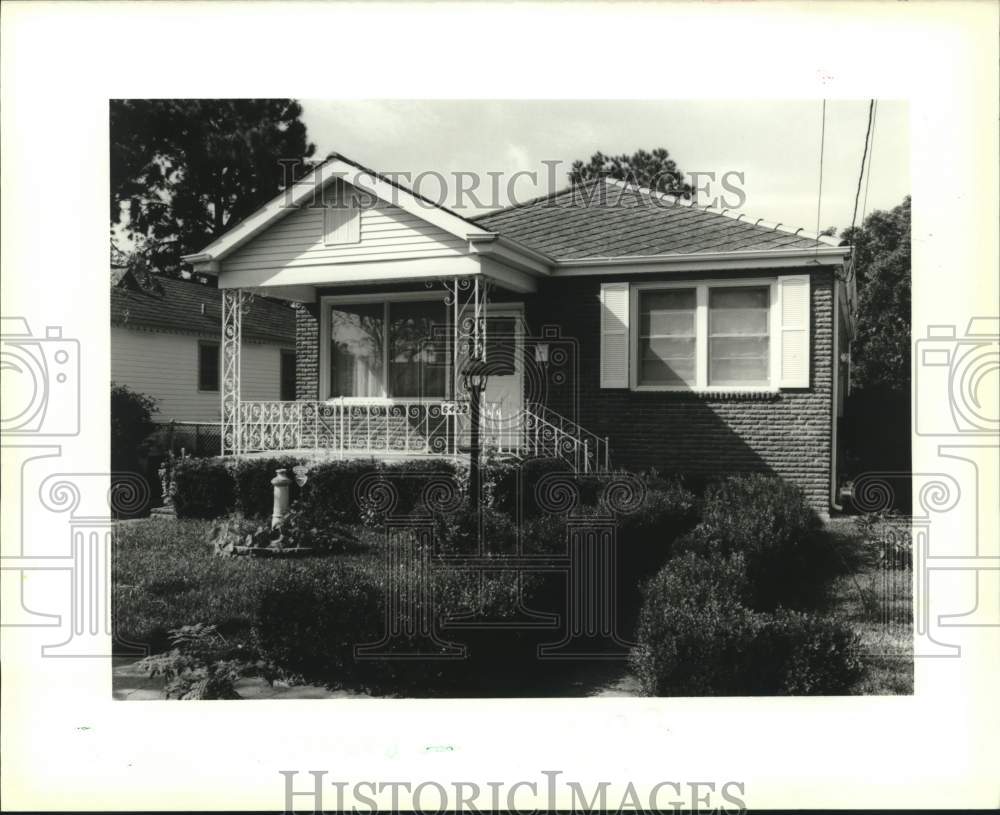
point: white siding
(165, 366)
(387, 233)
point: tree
(654, 170)
(880, 353)
(185, 171)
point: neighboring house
(166, 343)
(615, 327)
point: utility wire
(871, 157)
(864, 157)
(822, 147)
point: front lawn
(851, 631)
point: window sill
(714, 395)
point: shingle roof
(609, 219)
(177, 306)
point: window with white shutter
(794, 326)
(614, 335)
(342, 223)
(709, 335)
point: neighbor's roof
(177, 306)
(606, 218)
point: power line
(864, 157)
(871, 158)
(822, 146)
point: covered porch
(401, 373)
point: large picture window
(393, 349)
(702, 335)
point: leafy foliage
(880, 353)
(131, 423)
(203, 488)
(697, 637)
(183, 171)
(195, 668)
(652, 169)
(769, 522)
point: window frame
(202, 344)
(702, 288)
(328, 302)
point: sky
(774, 145)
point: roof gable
(309, 188)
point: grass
(878, 604)
(165, 575)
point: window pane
(738, 327)
(418, 352)
(208, 366)
(666, 361)
(667, 337)
(356, 337)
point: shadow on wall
(700, 436)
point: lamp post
(474, 379)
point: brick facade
(787, 434)
(307, 351)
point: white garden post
(281, 482)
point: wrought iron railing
(402, 427)
(548, 433)
(349, 428)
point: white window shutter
(342, 224)
(614, 335)
(793, 319)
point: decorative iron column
(232, 334)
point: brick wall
(307, 351)
(787, 434)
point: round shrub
(800, 654)
(771, 524)
(461, 531)
(693, 629)
(203, 488)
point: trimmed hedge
(252, 482)
(800, 654)
(203, 488)
(310, 624)
(697, 637)
(693, 629)
(770, 523)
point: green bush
(800, 654)
(329, 491)
(252, 480)
(767, 520)
(514, 485)
(461, 531)
(696, 636)
(131, 422)
(693, 629)
(203, 488)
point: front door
(503, 399)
